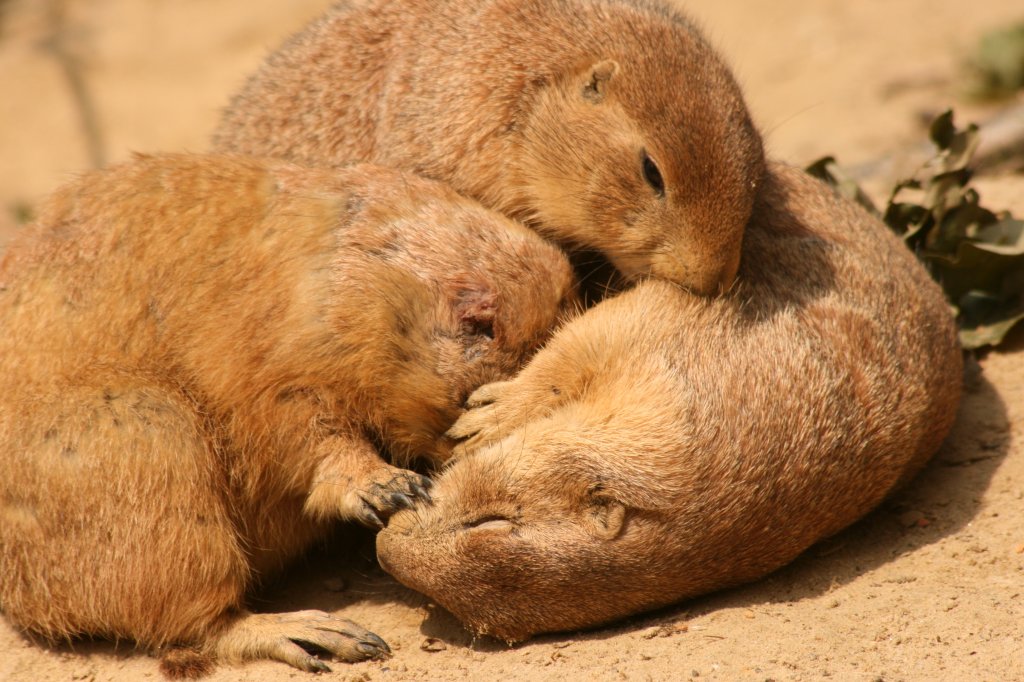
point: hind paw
(289, 638)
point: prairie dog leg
(120, 513)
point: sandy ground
(928, 587)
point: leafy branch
(977, 255)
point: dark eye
(653, 176)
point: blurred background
(86, 82)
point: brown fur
(185, 663)
(542, 109)
(661, 445)
(198, 357)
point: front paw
(489, 418)
(477, 427)
(385, 492)
(488, 394)
(370, 497)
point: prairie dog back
(204, 362)
(609, 125)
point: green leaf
(22, 212)
(976, 255)
(996, 68)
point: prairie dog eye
(490, 522)
(652, 175)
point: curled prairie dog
(199, 359)
(610, 124)
(662, 445)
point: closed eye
(491, 522)
(652, 175)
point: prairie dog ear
(604, 518)
(597, 78)
(475, 302)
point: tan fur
(542, 109)
(662, 445)
(198, 356)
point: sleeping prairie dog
(663, 445)
(199, 359)
(610, 125)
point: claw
(402, 501)
(374, 651)
(486, 394)
(378, 642)
(369, 517)
(315, 665)
(421, 491)
(289, 637)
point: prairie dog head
(448, 296)
(648, 156)
(532, 536)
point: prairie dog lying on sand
(662, 445)
(199, 359)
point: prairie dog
(609, 124)
(199, 358)
(661, 445)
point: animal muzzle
(706, 276)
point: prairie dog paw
(285, 637)
(493, 413)
(478, 425)
(488, 393)
(387, 491)
(497, 409)
(370, 499)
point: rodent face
(472, 311)
(654, 167)
(513, 545)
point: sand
(928, 587)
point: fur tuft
(185, 663)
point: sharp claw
(376, 640)
(373, 651)
(426, 482)
(370, 518)
(402, 501)
(315, 665)
(420, 491)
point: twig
(58, 44)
